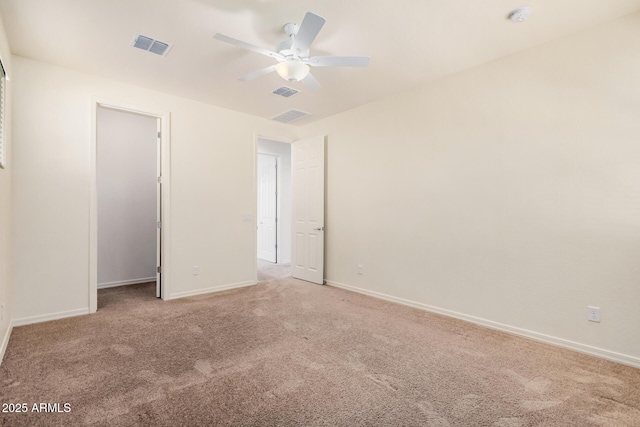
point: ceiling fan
(293, 54)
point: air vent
(285, 91)
(290, 116)
(151, 45)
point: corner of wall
(6, 276)
(5, 341)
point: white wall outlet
(359, 269)
(593, 314)
(196, 270)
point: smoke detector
(521, 14)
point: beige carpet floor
(290, 353)
(268, 271)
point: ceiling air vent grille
(151, 45)
(290, 116)
(285, 91)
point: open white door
(159, 213)
(307, 201)
(267, 207)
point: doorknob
(319, 229)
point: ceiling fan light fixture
(293, 70)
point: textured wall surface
(509, 192)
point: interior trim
(547, 339)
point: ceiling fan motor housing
(285, 50)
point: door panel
(312, 263)
(267, 207)
(298, 257)
(308, 201)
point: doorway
(273, 219)
(129, 200)
(127, 162)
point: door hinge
(276, 219)
(159, 135)
(159, 224)
(158, 269)
(159, 180)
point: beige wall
(212, 185)
(507, 194)
(5, 204)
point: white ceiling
(409, 42)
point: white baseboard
(211, 289)
(548, 339)
(126, 282)
(286, 261)
(47, 317)
(5, 341)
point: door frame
(278, 195)
(165, 194)
(256, 137)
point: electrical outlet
(593, 314)
(196, 270)
(359, 269)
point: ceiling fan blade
(310, 82)
(309, 29)
(247, 46)
(337, 61)
(259, 73)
